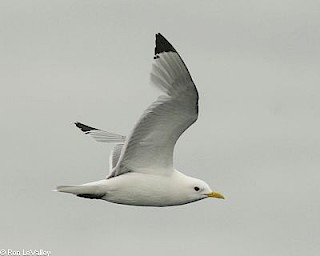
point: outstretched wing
(100, 135)
(150, 146)
(103, 136)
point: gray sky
(256, 66)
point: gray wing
(115, 155)
(100, 135)
(150, 146)
(103, 136)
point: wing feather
(115, 155)
(100, 135)
(150, 146)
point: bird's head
(198, 189)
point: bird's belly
(143, 200)
(143, 191)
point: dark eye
(196, 188)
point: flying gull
(141, 165)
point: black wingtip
(84, 128)
(162, 45)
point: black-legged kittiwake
(141, 165)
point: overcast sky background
(256, 66)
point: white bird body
(142, 189)
(141, 164)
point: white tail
(71, 189)
(86, 191)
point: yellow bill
(215, 195)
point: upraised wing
(150, 146)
